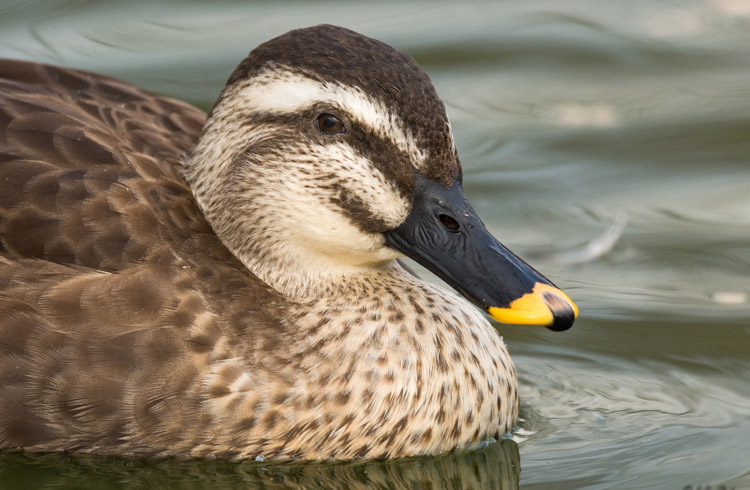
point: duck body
(171, 284)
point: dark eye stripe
(330, 124)
(384, 154)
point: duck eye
(330, 124)
(449, 222)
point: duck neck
(297, 272)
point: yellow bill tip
(545, 305)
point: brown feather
(89, 185)
(126, 325)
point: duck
(231, 285)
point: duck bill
(444, 234)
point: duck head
(328, 155)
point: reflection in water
(595, 248)
(496, 467)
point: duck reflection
(497, 466)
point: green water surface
(607, 142)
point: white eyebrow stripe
(285, 92)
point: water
(607, 142)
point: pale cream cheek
(314, 230)
(307, 220)
(342, 243)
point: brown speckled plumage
(129, 324)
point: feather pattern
(128, 325)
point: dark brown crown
(336, 54)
